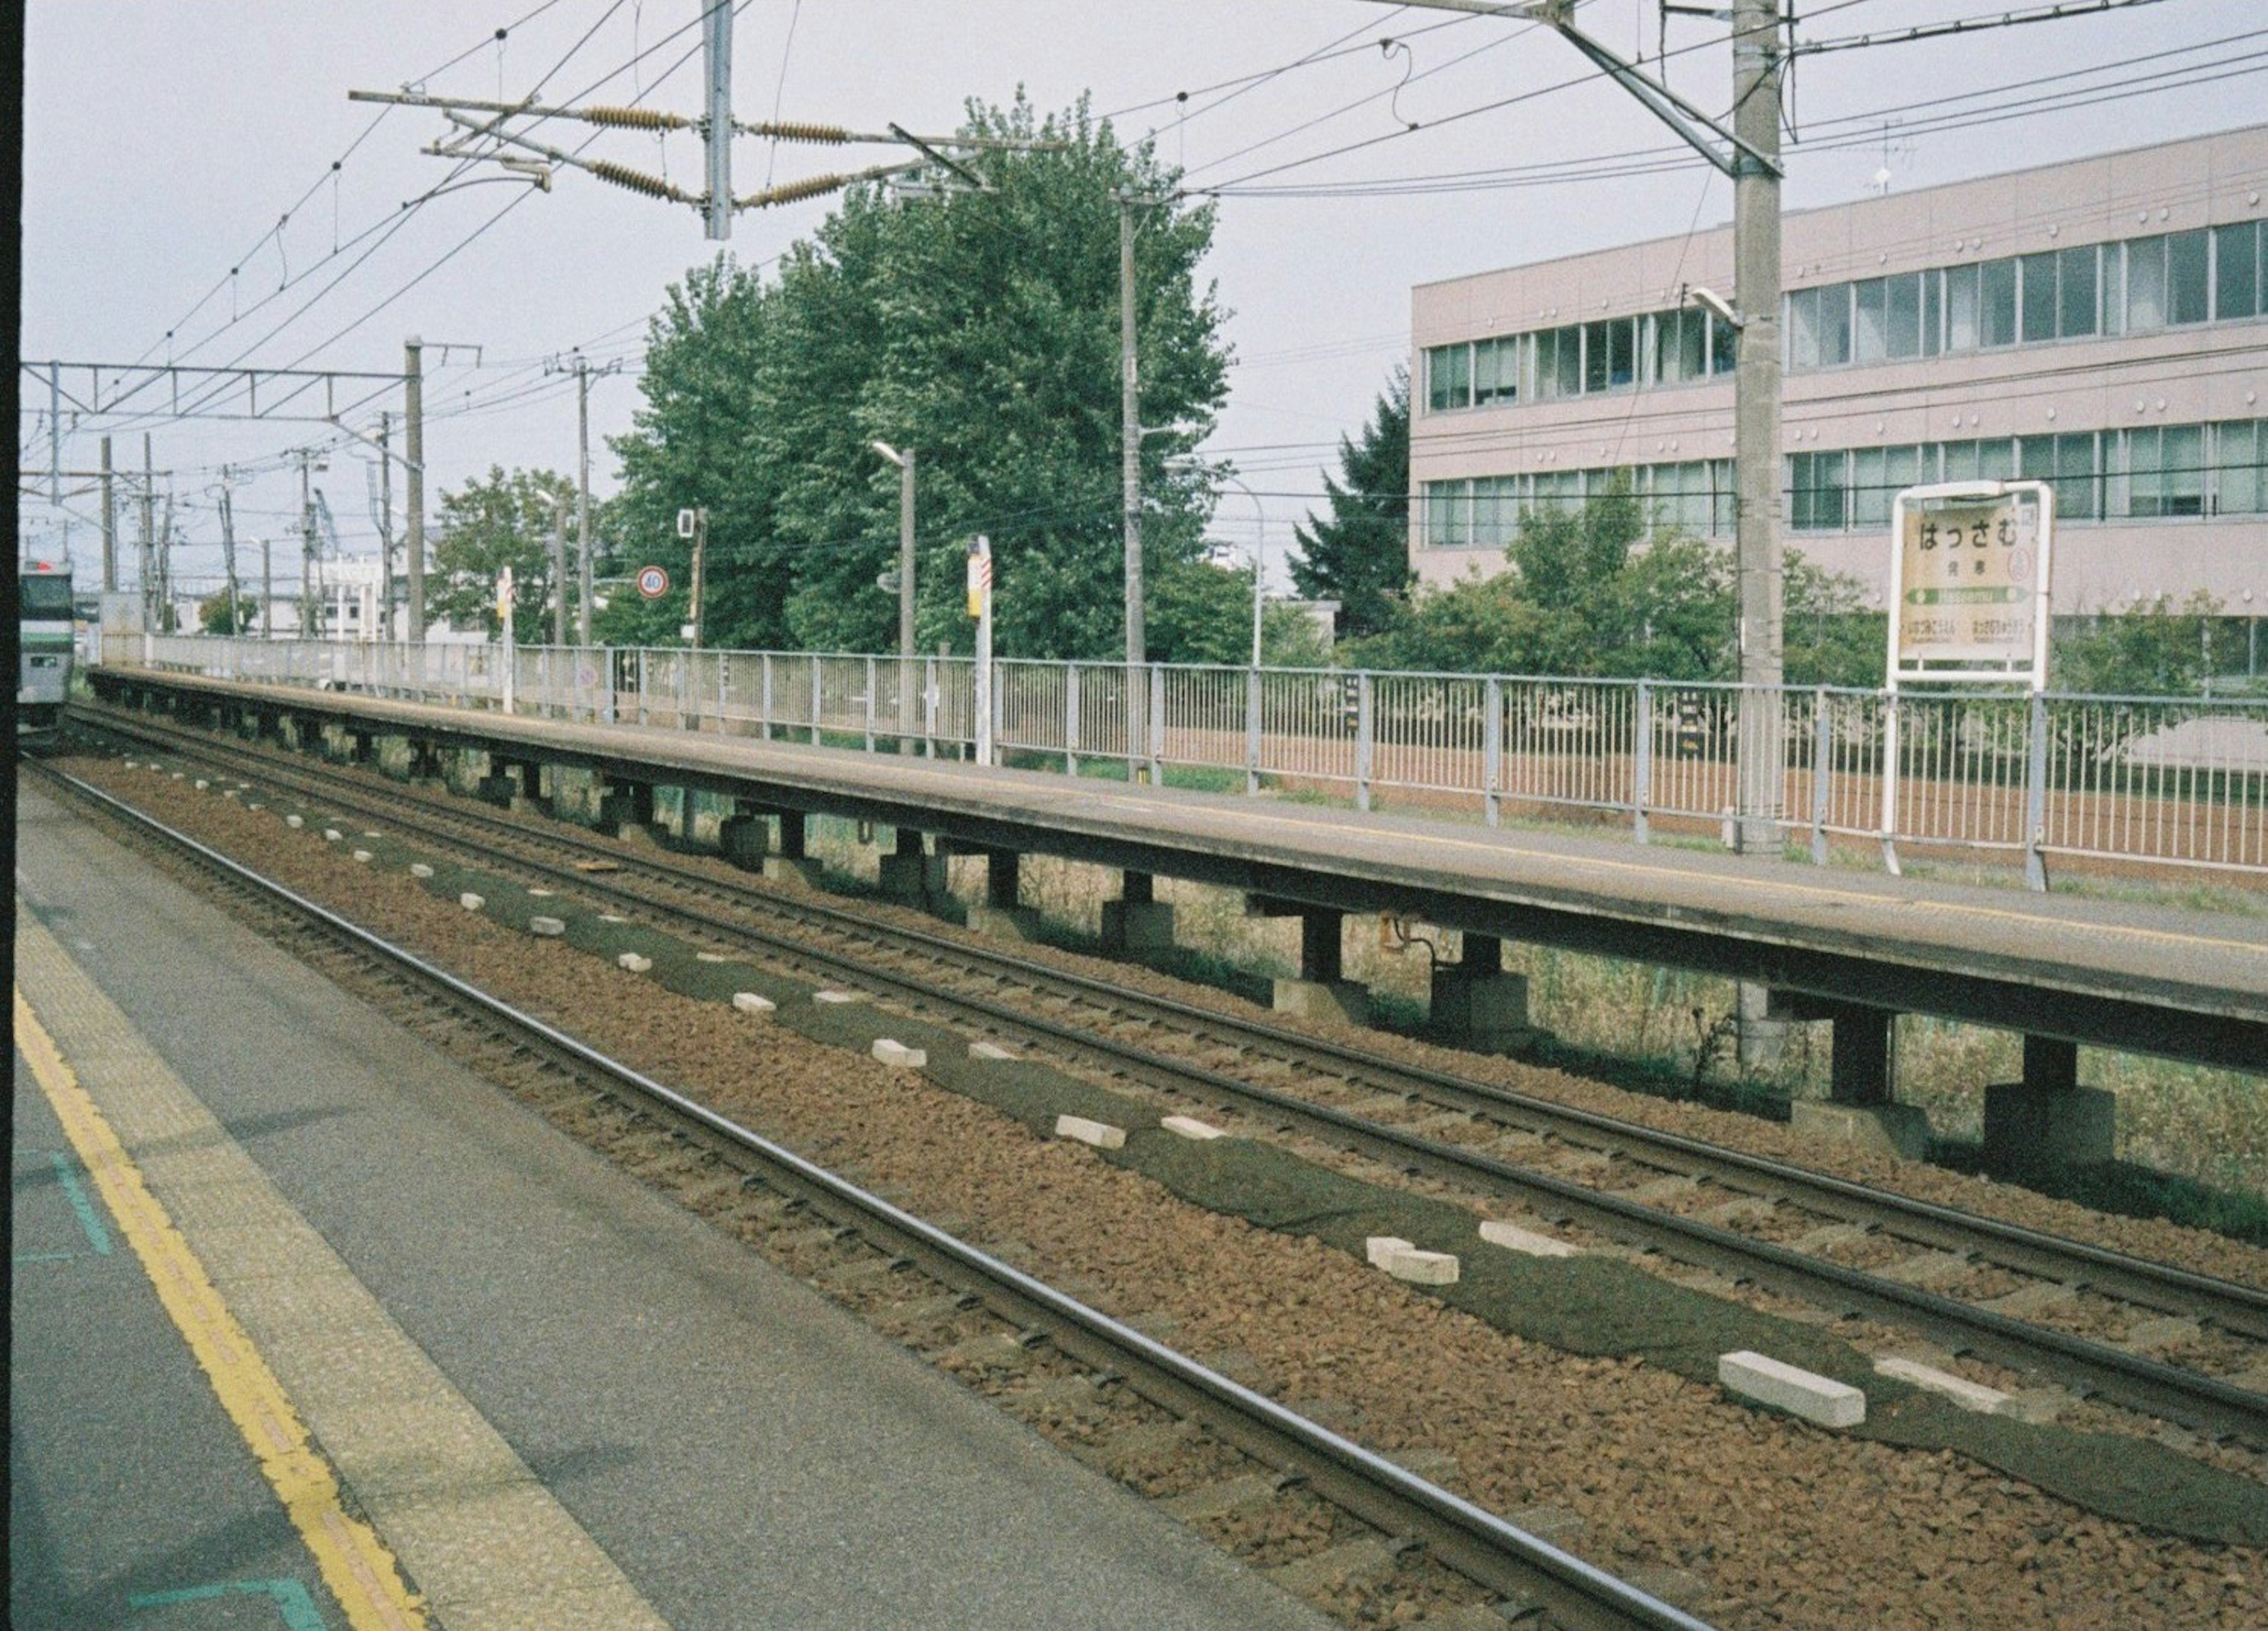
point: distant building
(2102, 324)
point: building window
(2188, 280)
(1962, 332)
(1449, 377)
(1496, 371)
(1448, 515)
(2165, 471)
(1818, 484)
(2076, 306)
(1996, 303)
(2067, 463)
(1496, 511)
(2240, 450)
(1681, 346)
(2236, 270)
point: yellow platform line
(355, 1563)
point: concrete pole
(1757, 67)
(109, 524)
(1130, 482)
(413, 436)
(310, 615)
(559, 570)
(228, 553)
(266, 594)
(700, 554)
(385, 619)
(905, 600)
(583, 501)
(717, 130)
(144, 578)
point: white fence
(2178, 783)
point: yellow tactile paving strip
(326, 1389)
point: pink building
(2102, 324)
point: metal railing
(2167, 782)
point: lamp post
(1259, 559)
(904, 460)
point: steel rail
(2172, 1392)
(1496, 1554)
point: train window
(45, 596)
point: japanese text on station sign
(1967, 586)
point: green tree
(218, 613)
(1827, 635)
(2157, 650)
(1582, 598)
(979, 330)
(1359, 555)
(484, 527)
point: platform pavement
(428, 1258)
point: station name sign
(1969, 572)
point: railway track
(2040, 1304)
(835, 1229)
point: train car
(44, 634)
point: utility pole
(583, 373)
(385, 520)
(308, 615)
(166, 565)
(412, 433)
(717, 128)
(559, 569)
(1129, 418)
(700, 551)
(267, 594)
(228, 551)
(1758, 62)
(144, 576)
(904, 458)
(109, 524)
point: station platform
(2073, 968)
(312, 1328)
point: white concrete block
(748, 1002)
(550, 928)
(1422, 1268)
(369, 834)
(230, 793)
(630, 963)
(1190, 1127)
(538, 894)
(201, 784)
(836, 996)
(1378, 1248)
(295, 822)
(1101, 1134)
(471, 902)
(419, 869)
(989, 1051)
(332, 835)
(711, 956)
(891, 1052)
(1515, 1238)
(1800, 1393)
(1968, 1395)
(255, 805)
(181, 775)
(364, 857)
(609, 917)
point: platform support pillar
(745, 836)
(2047, 1120)
(1476, 1005)
(1321, 990)
(1003, 913)
(793, 862)
(1136, 924)
(910, 874)
(1861, 1105)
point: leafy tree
(1359, 555)
(980, 330)
(1198, 612)
(2155, 651)
(484, 527)
(1828, 636)
(1581, 599)
(216, 614)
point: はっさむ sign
(1969, 582)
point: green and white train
(44, 635)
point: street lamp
(1259, 542)
(904, 461)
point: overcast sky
(164, 141)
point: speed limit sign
(653, 582)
